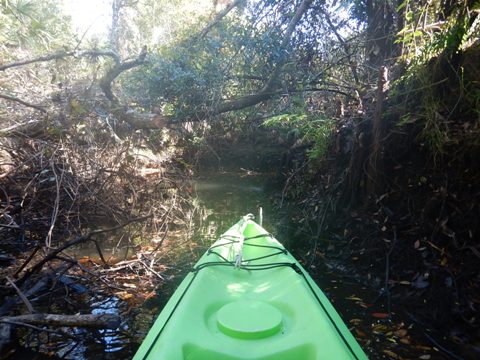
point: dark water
(222, 199)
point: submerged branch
(99, 321)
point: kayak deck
(248, 298)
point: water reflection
(110, 339)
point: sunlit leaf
(391, 354)
(360, 333)
(380, 328)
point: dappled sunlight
(237, 288)
(260, 288)
(247, 287)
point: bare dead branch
(58, 182)
(61, 55)
(30, 257)
(150, 269)
(23, 102)
(6, 324)
(21, 295)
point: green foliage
(33, 24)
(192, 75)
(426, 34)
(427, 110)
(320, 133)
(313, 129)
(432, 46)
(435, 130)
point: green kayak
(248, 298)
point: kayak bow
(248, 298)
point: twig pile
(62, 190)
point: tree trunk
(375, 160)
(380, 36)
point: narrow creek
(221, 200)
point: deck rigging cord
(238, 263)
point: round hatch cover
(249, 319)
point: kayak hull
(248, 298)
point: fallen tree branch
(10, 302)
(6, 328)
(116, 70)
(23, 102)
(61, 55)
(150, 269)
(26, 262)
(98, 321)
(250, 100)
